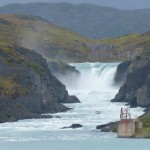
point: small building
(128, 127)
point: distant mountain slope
(89, 20)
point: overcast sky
(121, 4)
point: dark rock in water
(136, 89)
(110, 127)
(98, 112)
(76, 126)
(122, 72)
(73, 126)
(56, 117)
(46, 116)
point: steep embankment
(87, 19)
(27, 87)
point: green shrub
(9, 87)
(35, 66)
(138, 57)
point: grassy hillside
(87, 19)
(61, 45)
(43, 37)
(131, 45)
(145, 131)
(127, 40)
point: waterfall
(96, 76)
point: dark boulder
(98, 112)
(110, 127)
(73, 126)
(76, 126)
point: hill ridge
(87, 19)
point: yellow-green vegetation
(7, 49)
(32, 31)
(128, 41)
(54, 42)
(145, 131)
(115, 129)
(122, 40)
(8, 87)
(35, 66)
(11, 56)
(7, 35)
(37, 34)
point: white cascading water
(95, 89)
(96, 76)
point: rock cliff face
(122, 71)
(65, 73)
(136, 88)
(27, 87)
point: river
(95, 88)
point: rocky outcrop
(136, 88)
(62, 69)
(123, 70)
(27, 87)
(110, 127)
(65, 73)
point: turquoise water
(73, 140)
(95, 90)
